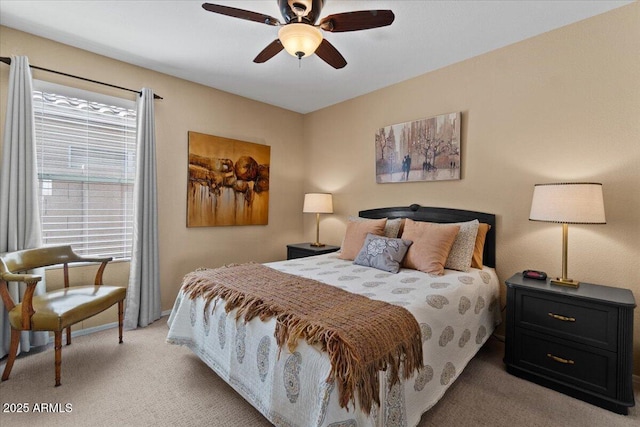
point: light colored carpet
(146, 382)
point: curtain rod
(7, 61)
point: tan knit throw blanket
(360, 335)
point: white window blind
(86, 168)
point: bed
(456, 313)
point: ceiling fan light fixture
(300, 39)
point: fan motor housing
(307, 10)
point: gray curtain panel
(19, 214)
(143, 293)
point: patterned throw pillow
(392, 227)
(462, 250)
(383, 253)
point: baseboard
(87, 331)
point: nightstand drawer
(577, 365)
(580, 321)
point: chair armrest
(15, 277)
(98, 280)
(27, 300)
(79, 258)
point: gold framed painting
(421, 150)
(228, 182)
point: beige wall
(563, 106)
(186, 107)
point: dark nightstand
(301, 250)
(577, 341)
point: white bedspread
(457, 312)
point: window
(86, 148)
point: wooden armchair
(55, 310)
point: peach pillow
(356, 234)
(431, 245)
(393, 227)
(476, 260)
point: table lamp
(317, 203)
(567, 203)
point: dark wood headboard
(442, 215)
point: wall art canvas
(228, 182)
(421, 150)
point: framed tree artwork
(228, 182)
(421, 150)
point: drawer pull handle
(561, 360)
(563, 318)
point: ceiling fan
(300, 35)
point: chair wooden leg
(68, 335)
(13, 352)
(58, 351)
(120, 318)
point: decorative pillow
(356, 233)
(391, 229)
(431, 245)
(383, 253)
(462, 250)
(476, 261)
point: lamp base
(317, 244)
(565, 282)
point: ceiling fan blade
(269, 52)
(330, 55)
(354, 21)
(241, 13)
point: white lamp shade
(300, 39)
(318, 203)
(568, 203)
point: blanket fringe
(351, 375)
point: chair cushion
(59, 309)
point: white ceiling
(182, 39)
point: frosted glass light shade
(318, 203)
(300, 39)
(568, 203)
